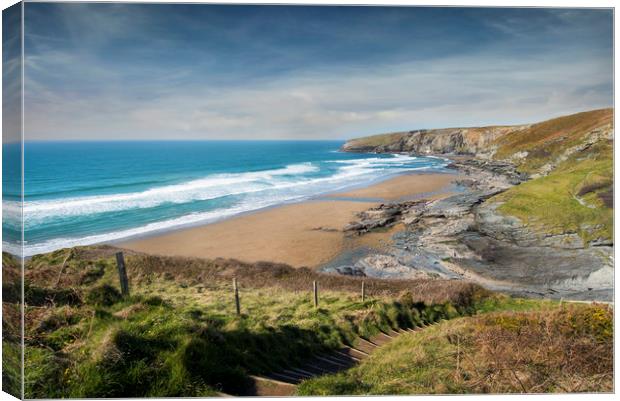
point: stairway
(284, 382)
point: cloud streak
(110, 86)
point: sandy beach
(302, 234)
(401, 187)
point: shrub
(40, 296)
(104, 295)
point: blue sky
(139, 71)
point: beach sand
(303, 234)
(401, 187)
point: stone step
(295, 374)
(380, 339)
(350, 353)
(392, 333)
(325, 365)
(263, 386)
(316, 370)
(304, 372)
(339, 359)
(365, 345)
(336, 363)
(283, 377)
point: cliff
(470, 141)
(535, 215)
(531, 146)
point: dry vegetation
(88, 264)
(555, 349)
(545, 141)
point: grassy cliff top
(546, 141)
(370, 142)
(576, 197)
(575, 194)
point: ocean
(81, 193)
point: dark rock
(465, 237)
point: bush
(41, 296)
(104, 295)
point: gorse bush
(566, 349)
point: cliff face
(472, 141)
(534, 144)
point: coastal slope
(467, 141)
(536, 214)
(528, 142)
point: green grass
(176, 338)
(197, 345)
(11, 367)
(545, 349)
(376, 140)
(178, 334)
(551, 204)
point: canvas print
(206, 200)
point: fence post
(363, 291)
(315, 287)
(122, 273)
(236, 292)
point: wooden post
(236, 291)
(315, 287)
(561, 302)
(122, 273)
(363, 291)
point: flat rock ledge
(464, 237)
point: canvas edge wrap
(12, 202)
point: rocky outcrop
(384, 215)
(603, 133)
(463, 141)
(464, 237)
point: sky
(156, 71)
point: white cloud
(330, 103)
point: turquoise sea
(79, 193)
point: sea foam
(245, 192)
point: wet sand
(303, 234)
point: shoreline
(308, 233)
